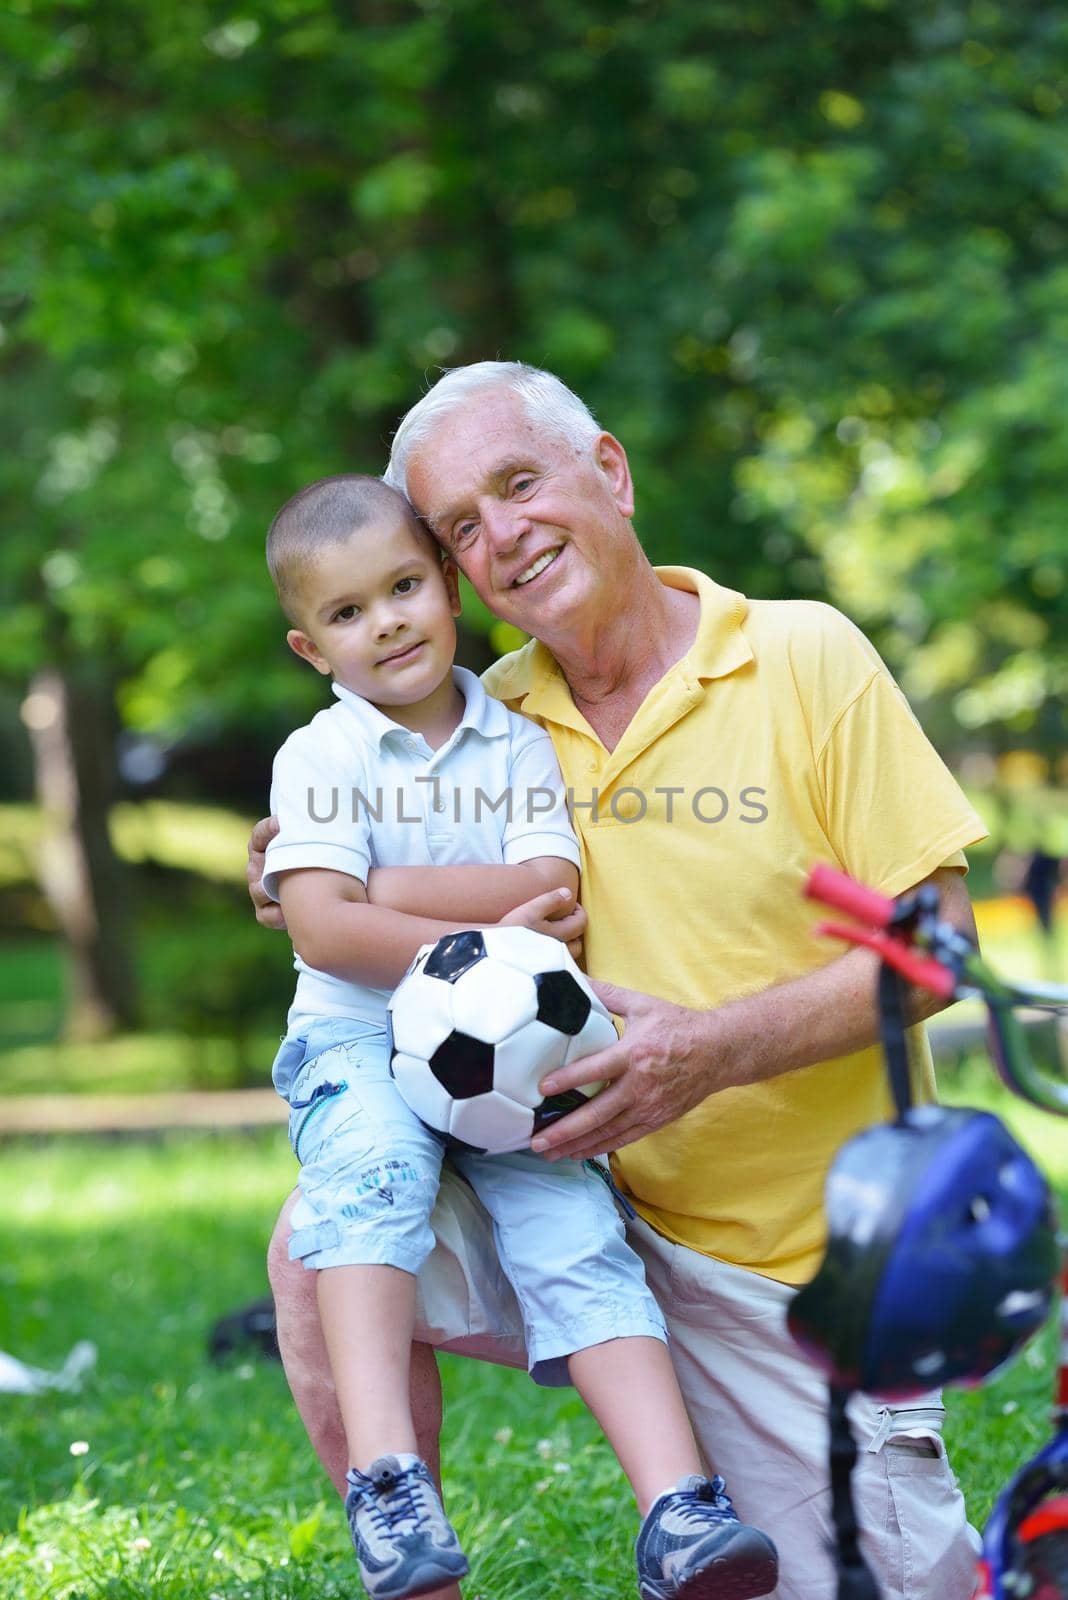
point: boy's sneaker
(403, 1540)
(692, 1546)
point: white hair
(548, 403)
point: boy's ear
(305, 648)
(452, 584)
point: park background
(807, 258)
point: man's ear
(305, 648)
(611, 457)
(452, 584)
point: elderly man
(716, 747)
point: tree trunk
(72, 736)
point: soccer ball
(477, 1020)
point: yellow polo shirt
(777, 741)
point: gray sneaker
(403, 1540)
(692, 1546)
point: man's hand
(268, 911)
(671, 1057)
(657, 1072)
(553, 913)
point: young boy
(370, 863)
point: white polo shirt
(353, 790)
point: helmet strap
(855, 1580)
(893, 1037)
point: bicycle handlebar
(843, 893)
(922, 971)
(909, 935)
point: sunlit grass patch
(136, 1063)
(208, 840)
(194, 1482)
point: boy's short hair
(325, 513)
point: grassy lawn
(198, 1482)
(171, 1478)
(188, 1482)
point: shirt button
(439, 805)
(627, 806)
(591, 766)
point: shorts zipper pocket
(320, 1096)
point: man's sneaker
(691, 1546)
(403, 1540)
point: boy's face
(376, 613)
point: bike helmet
(941, 1255)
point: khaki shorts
(758, 1408)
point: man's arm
(671, 1057)
(336, 929)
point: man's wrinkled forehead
(473, 449)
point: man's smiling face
(534, 524)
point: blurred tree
(804, 256)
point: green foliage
(806, 261)
(214, 984)
(207, 841)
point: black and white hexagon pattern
(477, 1022)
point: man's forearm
(483, 893)
(671, 1057)
(825, 1014)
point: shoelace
(693, 1505)
(391, 1500)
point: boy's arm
(336, 929)
(483, 893)
(538, 845)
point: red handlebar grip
(925, 973)
(838, 889)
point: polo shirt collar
(720, 647)
(482, 715)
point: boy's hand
(268, 911)
(555, 914)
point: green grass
(992, 1430)
(136, 1063)
(197, 1482)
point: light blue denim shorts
(369, 1174)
